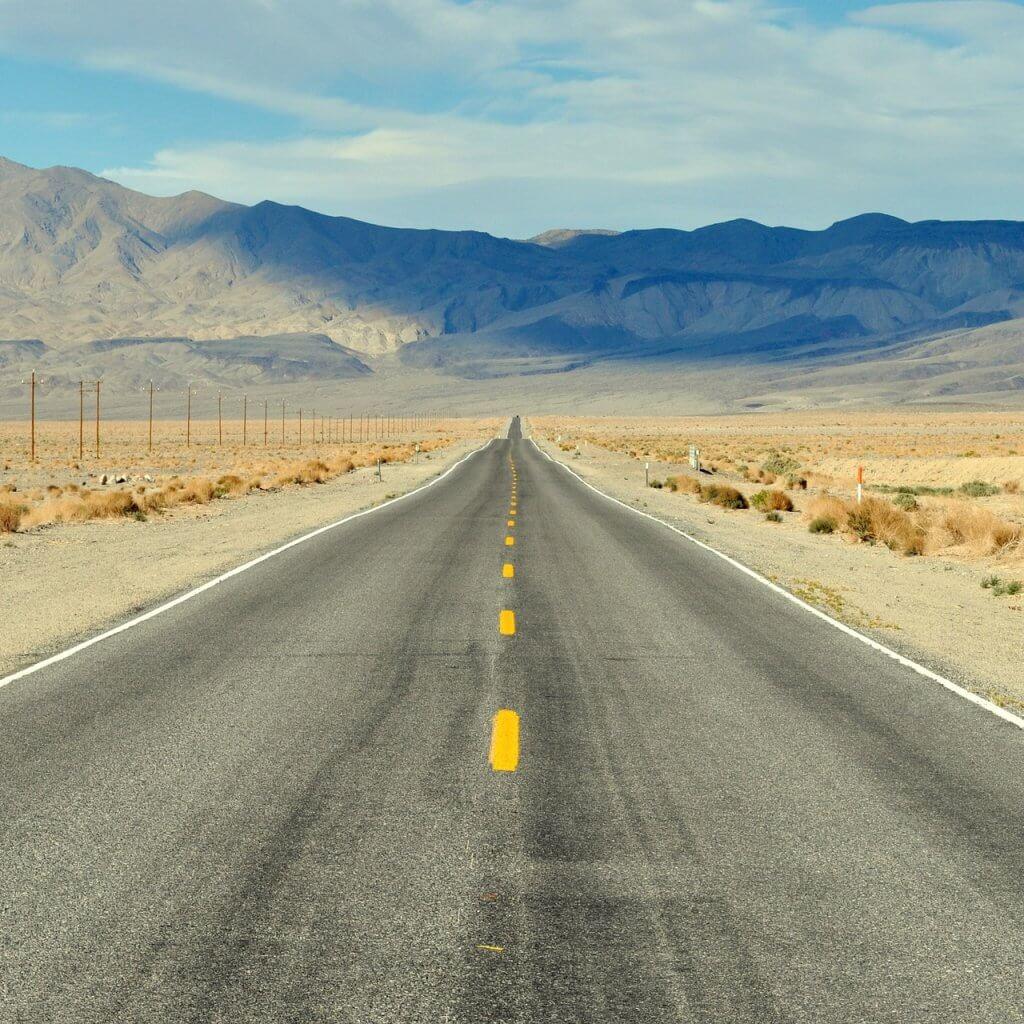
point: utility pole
(245, 419)
(32, 416)
(150, 415)
(81, 420)
(188, 417)
(98, 382)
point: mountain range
(94, 275)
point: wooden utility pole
(81, 420)
(32, 416)
(265, 408)
(220, 419)
(150, 415)
(98, 382)
(188, 417)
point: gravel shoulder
(62, 584)
(930, 609)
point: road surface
(284, 800)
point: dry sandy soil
(65, 582)
(929, 608)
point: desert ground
(932, 561)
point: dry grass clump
(81, 507)
(916, 531)
(684, 484)
(74, 504)
(978, 530)
(723, 495)
(772, 501)
(11, 513)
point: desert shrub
(773, 517)
(772, 501)
(1002, 588)
(657, 485)
(822, 524)
(905, 502)
(858, 521)
(918, 489)
(798, 483)
(978, 489)
(1012, 486)
(779, 464)
(723, 496)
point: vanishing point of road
(503, 751)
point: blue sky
(514, 117)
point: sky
(515, 117)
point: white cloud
(655, 111)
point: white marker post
(647, 474)
(860, 484)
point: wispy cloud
(656, 111)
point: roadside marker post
(860, 484)
(647, 474)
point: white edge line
(195, 591)
(983, 702)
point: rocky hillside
(83, 259)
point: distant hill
(83, 260)
(557, 237)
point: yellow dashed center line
(507, 623)
(511, 522)
(504, 755)
(509, 541)
(508, 570)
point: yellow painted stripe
(509, 541)
(491, 949)
(508, 570)
(505, 741)
(511, 522)
(507, 623)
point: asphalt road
(274, 802)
